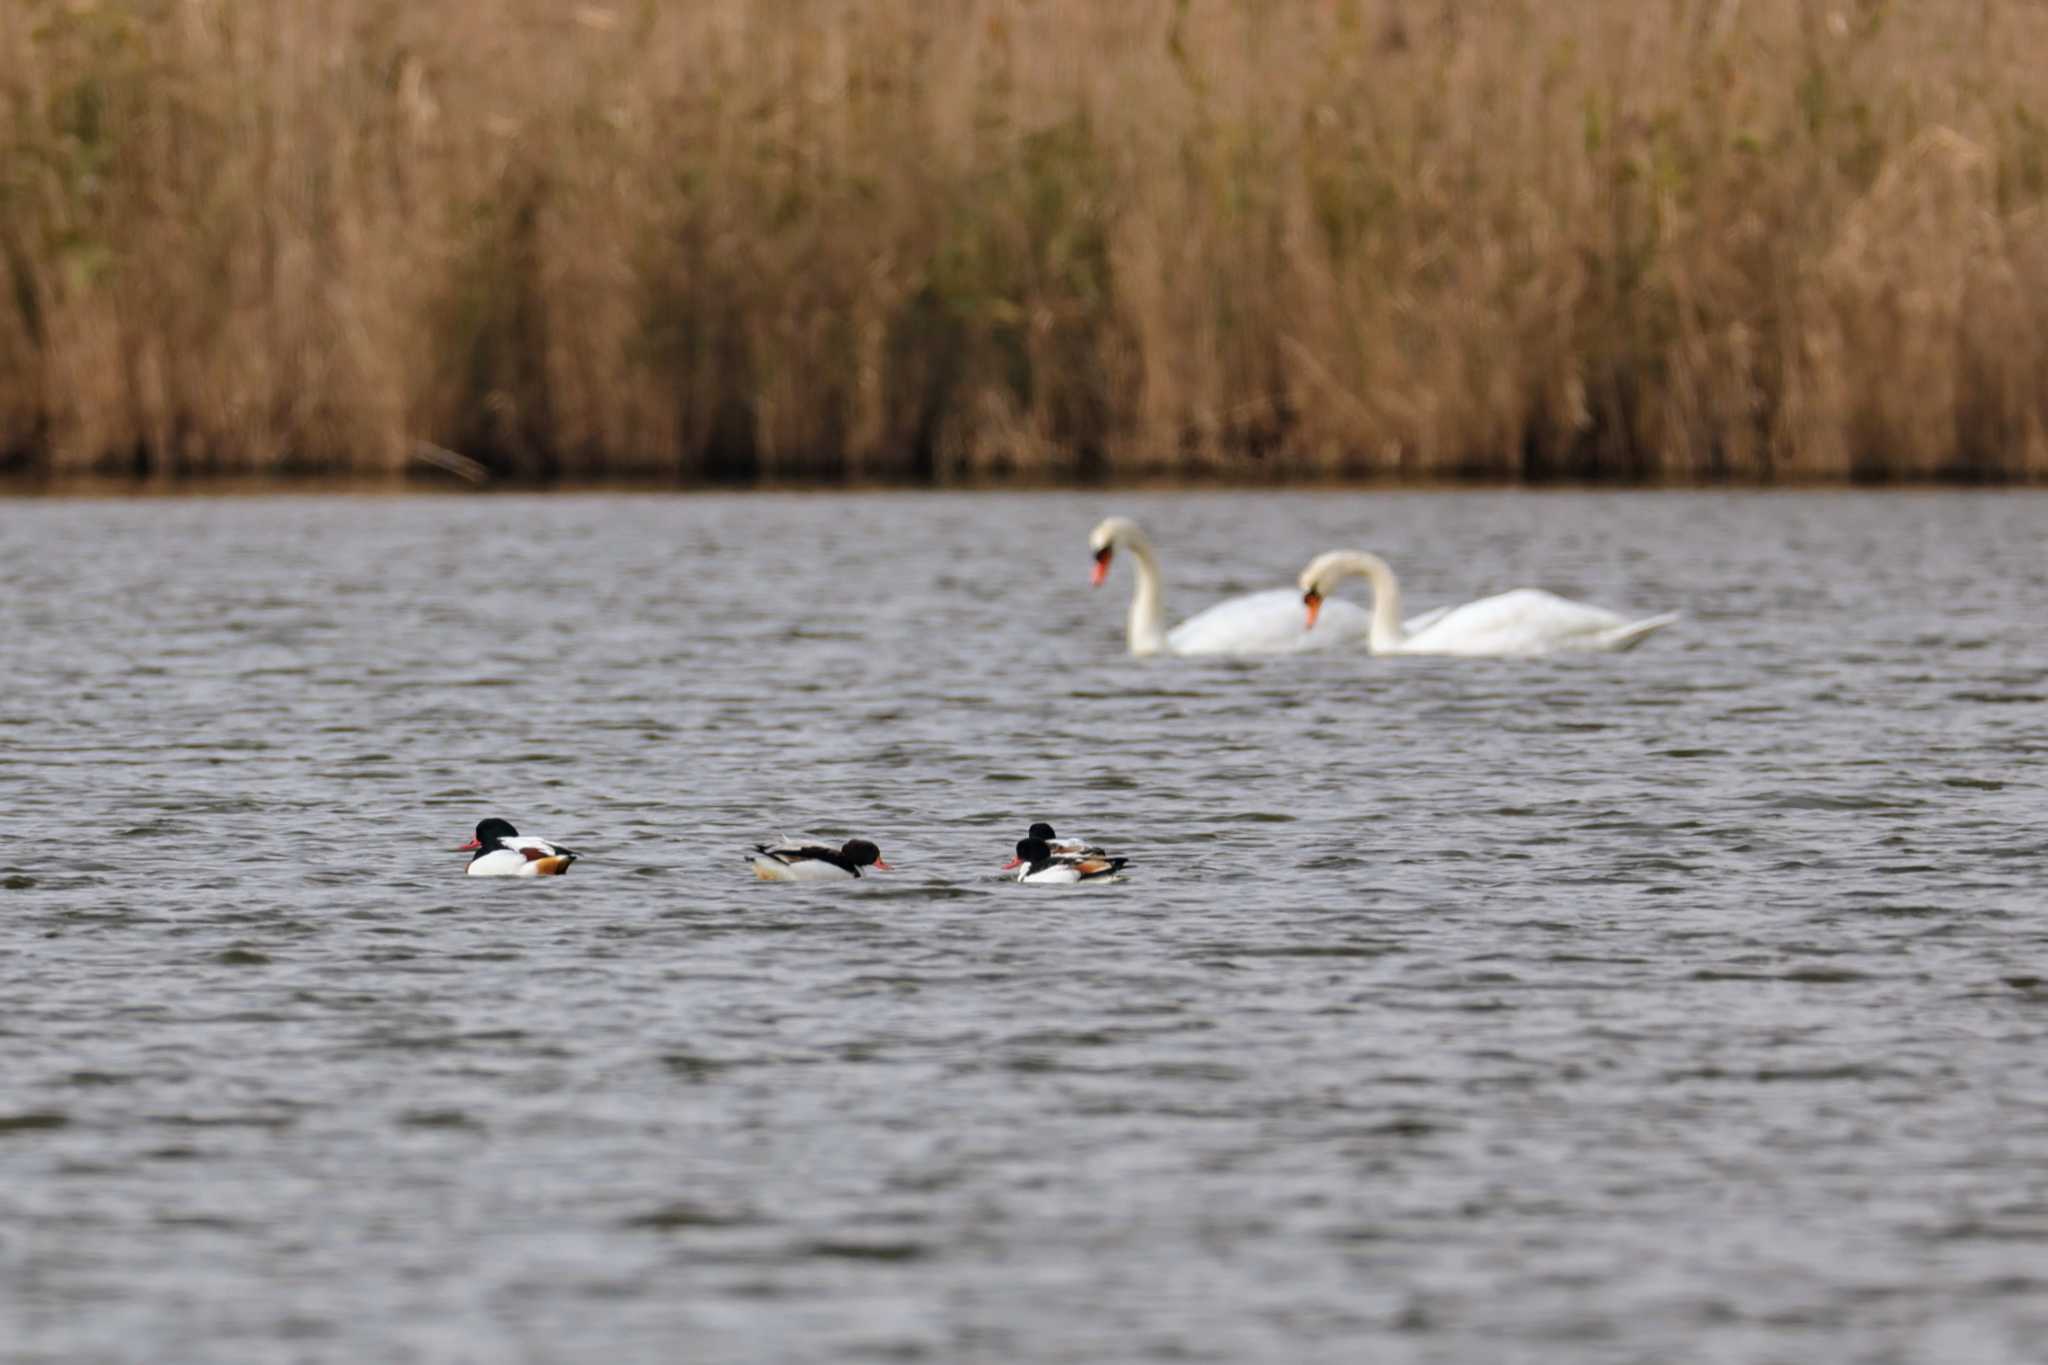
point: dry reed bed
(1639, 239)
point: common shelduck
(787, 862)
(1064, 848)
(1036, 862)
(501, 852)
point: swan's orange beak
(472, 844)
(1313, 600)
(1101, 566)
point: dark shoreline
(58, 489)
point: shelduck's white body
(1067, 871)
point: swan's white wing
(1525, 621)
(1270, 622)
(1415, 625)
(1633, 634)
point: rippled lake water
(1688, 1004)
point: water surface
(1690, 1004)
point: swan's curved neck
(1387, 634)
(1146, 633)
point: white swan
(1522, 622)
(1257, 623)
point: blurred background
(1023, 240)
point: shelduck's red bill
(1314, 602)
(1014, 862)
(469, 847)
(882, 866)
(1101, 567)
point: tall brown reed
(1047, 239)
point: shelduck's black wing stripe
(829, 855)
(808, 853)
